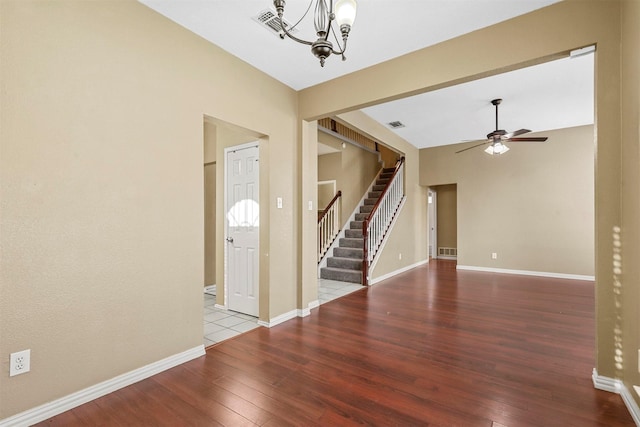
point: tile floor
(220, 324)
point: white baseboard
(210, 287)
(279, 319)
(58, 406)
(221, 307)
(314, 304)
(396, 272)
(526, 272)
(618, 387)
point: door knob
(230, 239)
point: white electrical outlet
(494, 255)
(20, 363)
(400, 256)
(279, 202)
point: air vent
(269, 20)
(447, 252)
(395, 125)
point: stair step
(374, 194)
(341, 274)
(348, 242)
(356, 233)
(361, 217)
(348, 253)
(345, 263)
(365, 208)
(378, 187)
(370, 201)
(356, 224)
(382, 182)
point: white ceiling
(549, 96)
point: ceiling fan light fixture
(496, 148)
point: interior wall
(629, 317)
(447, 215)
(326, 193)
(209, 154)
(353, 169)
(209, 224)
(389, 157)
(533, 206)
(105, 194)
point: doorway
(443, 221)
(242, 228)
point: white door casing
(242, 229)
(432, 215)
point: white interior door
(243, 229)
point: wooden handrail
(331, 203)
(365, 224)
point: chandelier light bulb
(345, 12)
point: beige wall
(209, 154)
(210, 224)
(559, 28)
(353, 169)
(389, 157)
(533, 206)
(447, 211)
(105, 194)
(629, 317)
(326, 194)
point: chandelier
(343, 12)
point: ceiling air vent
(269, 20)
(395, 125)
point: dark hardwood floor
(433, 346)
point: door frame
(256, 144)
(432, 221)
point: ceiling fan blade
(530, 139)
(516, 133)
(473, 146)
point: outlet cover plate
(20, 362)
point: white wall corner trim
(396, 272)
(58, 406)
(303, 312)
(526, 272)
(279, 319)
(618, 387)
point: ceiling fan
(498, 137)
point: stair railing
(376, 225)
(329, 225)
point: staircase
(346, 263)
